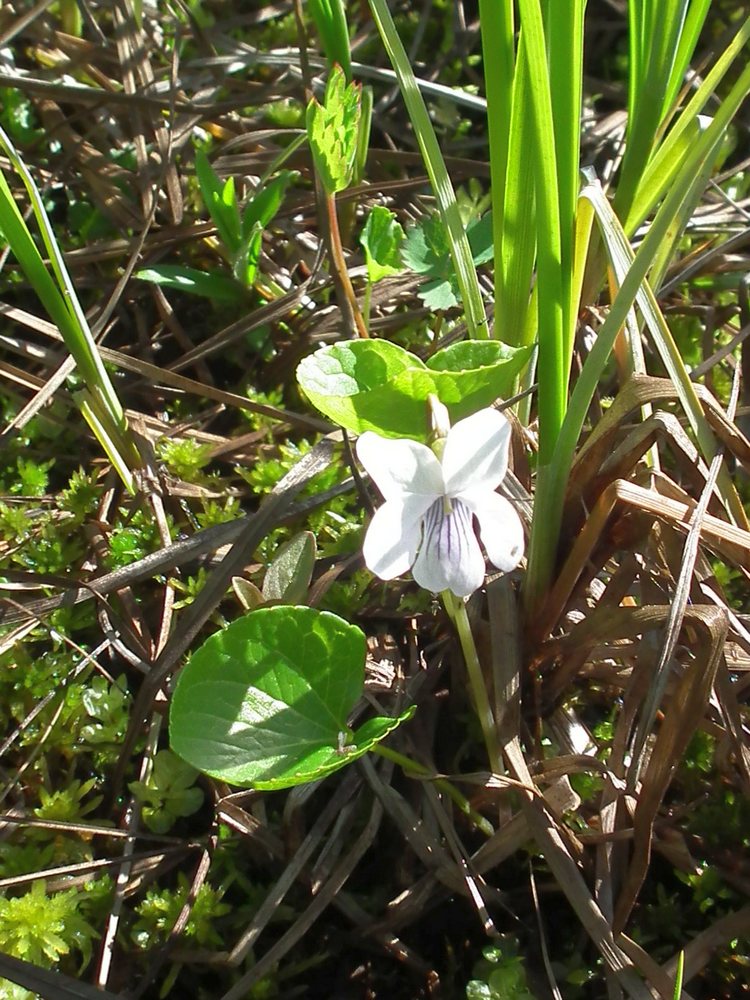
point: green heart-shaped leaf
(265, 701)
(375, 385)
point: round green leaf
(351, 383)
(474, 373)
(265, 701)
(374, 385)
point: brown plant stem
(341, 272)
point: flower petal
(476, 452)
(392, 538)
(500, 527)
(449, 557)
(400, 466)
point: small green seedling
(240, 233)
(168, 793)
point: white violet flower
(426, 522)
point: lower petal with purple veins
(449, 556)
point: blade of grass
(59, 298)
(330, 23)
(552, 478)
(496, 19)
(667, 161)
(564, 25)
(463, 263)
(515, 218)
(659, 40)
(689, 36)
(552, 369)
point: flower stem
(457, 611)
(412, 767)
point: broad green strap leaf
(207, 284)
(330, 21)
(432, 156)
(514, 280)
(496, 19)
(552, 283)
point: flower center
(447, 528)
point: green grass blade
(101, 428)
(62, 304)
(553, 366)
(637, 31)
(679, 975)
(517, 222)
(553, 478)
(667, 161)
(496, 19)
(445, 196)
(657, 41)
(564, 25)
(694, 21)
(330, 22)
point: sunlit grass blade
(330, 22)
(660, 52)
(514, 219)
(100, 426)
(564, 27)
(463, 263)
(679, 974)
(668, 159)
(553, 366)
(59, 298)
(553, 478)
(694, 20)
(498, 61)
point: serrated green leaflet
(381, 239)
(374, 385)
(265, 701)
(426, 250)
(332, 130)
